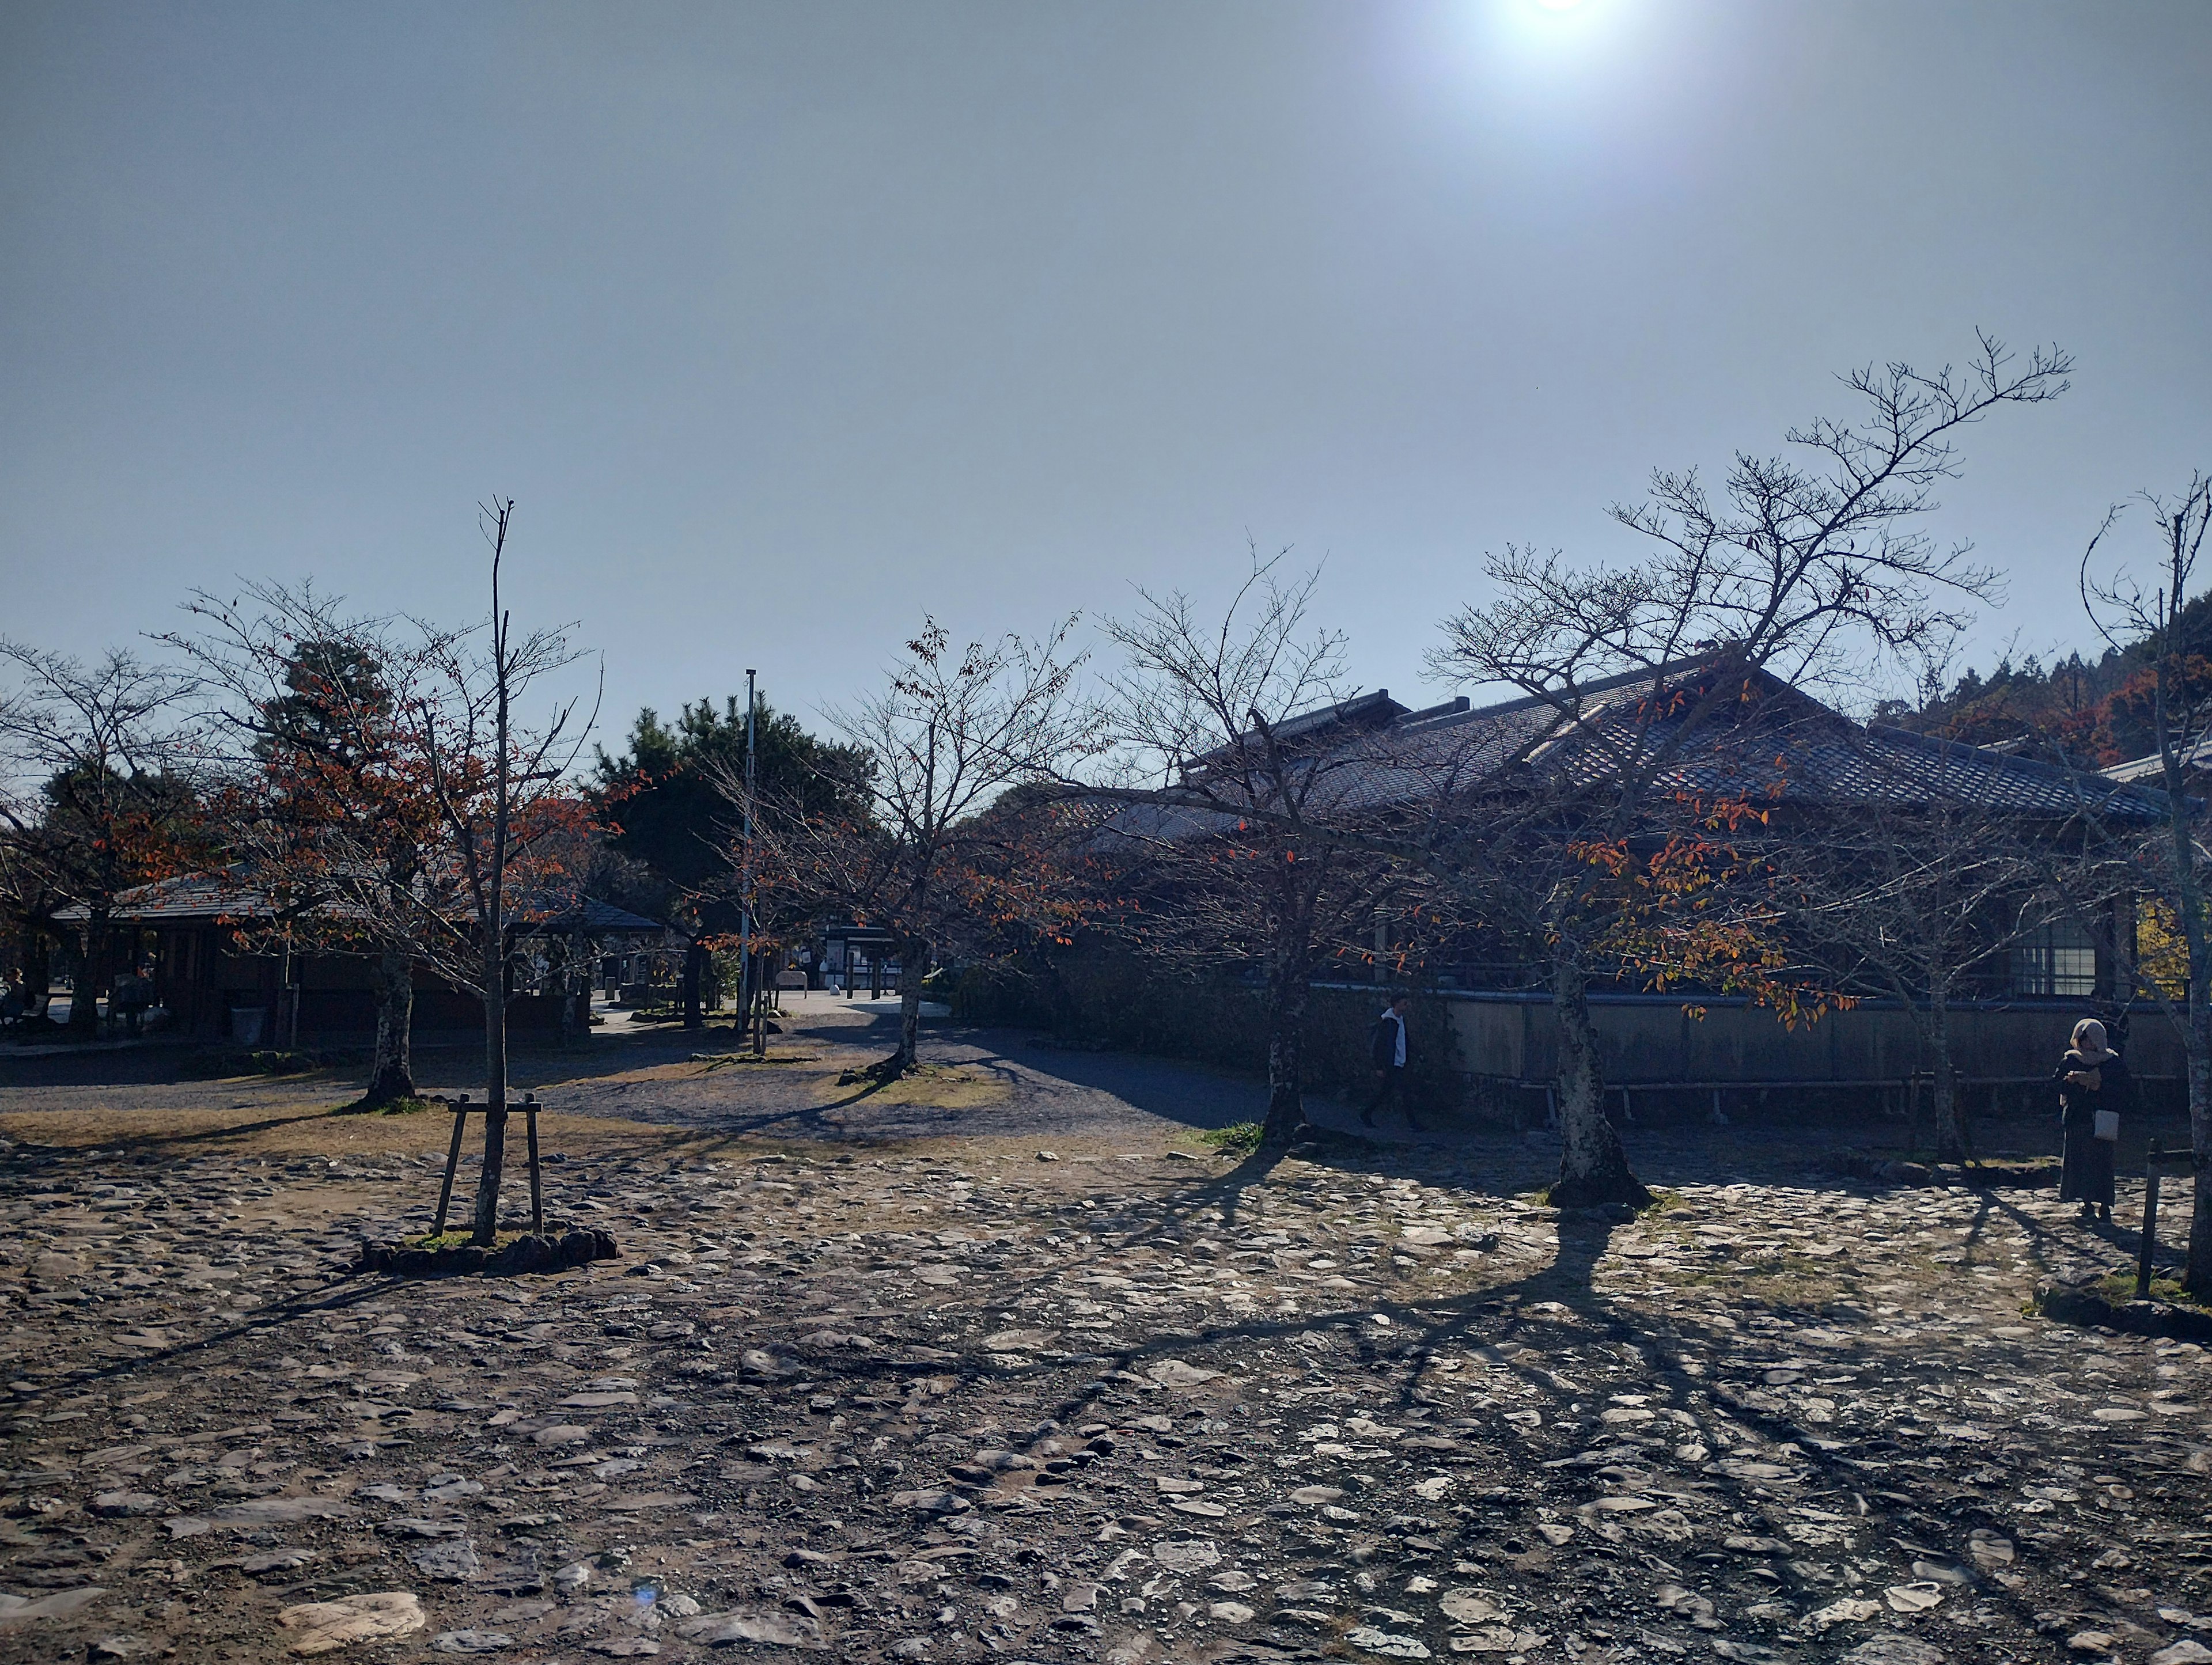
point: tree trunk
(494, 1149)
(92, 971)
(755, 1000)
(1289, 990)
(1593, 1171)
(1288, 993)
(1951, 1142)
(392, 1078)
(912, 956)
(695, 956)
(2199, 1279)
(2196, 1039)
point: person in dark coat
(1387, 1044)
(2091, 1077)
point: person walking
(2094, 1089)
(1386, 1052)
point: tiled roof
(230, 894)
(599, 918)
(1895, 765)
(1776, 744)
(2194, 760)
(189, 895)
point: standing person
(2094, 1089)
(132, 994)
(1386, 1052)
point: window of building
(2059, 959)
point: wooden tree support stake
(452, 1164)
(537, 1196)
(462, 1111)
(2148, 1245)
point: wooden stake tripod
(462, 1111)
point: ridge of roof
(1301, 723)
(1358, 705)
(1560, 699)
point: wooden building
(195, 938)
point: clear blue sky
(787, 323)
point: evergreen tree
(662, 806)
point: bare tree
(2144, 614)
(500, 790)
(1918, 893)
(1795, 568)
(96, 794)
(952, 733)
(1244, 723)
(330, 804)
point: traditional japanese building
(204, 942)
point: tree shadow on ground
(2175, 1204)
(1546, 1331)
(1697, 1380)
(336, 1298)
(127, 1144)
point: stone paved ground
(857, 1397)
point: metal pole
(2149, 1224)
(536, 1197)
(745, 992)
(452, 1162)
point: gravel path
(938, 1399)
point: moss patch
(390, 1107)
(233, 1063)
(2120, 1286)
(1240, 1139)
(460, 1237)
(2109, 1304)
(935, 1087)
(708, 1063)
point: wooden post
(536, 1197)
(452, 1164)
(2149, 1224)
